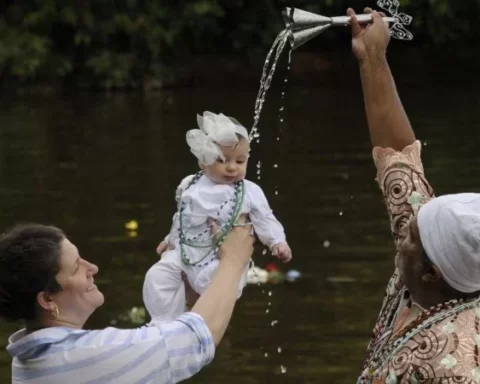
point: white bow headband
(214, 130)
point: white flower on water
(391, 378)
(476, 375)
(476, 311)
(257, 275)
(449, 361)
(449, 327)
(477, 340)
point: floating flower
(132, 225)
(449, 361)
(276, 277)
(257, 275)
(292, 275)
(272, 267)
(137, 315)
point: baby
(219, 192)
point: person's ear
(432, 274)
(45, 301)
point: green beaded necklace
(223, 231)
(426, 319)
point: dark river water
(89, 163)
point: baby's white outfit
(199, 199)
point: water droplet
(326, 244)
(279, 350)
(259, 164)
(267, 310)
(275, 165)
(266, 354)
(269, 293)
(281, 108)
(278, 138)
(283, 369)
(286, 80)
(340, 213)
(274, 322)
(281, 120)
(264, 252)
(425, 143)
(256, 135)
(351, 197)
(269, 303)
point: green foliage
(118, 44)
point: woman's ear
(45, 301)
(432, 274)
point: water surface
(89, 163)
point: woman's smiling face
(79, 297)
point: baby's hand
(282, 251)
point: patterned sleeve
(402, 182)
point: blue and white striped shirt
(167, 353)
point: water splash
(259, 165)
(266, 79)
(281, 110)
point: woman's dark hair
(29, 262)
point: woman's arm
(396, 153)
(387, 121)
(216, 304)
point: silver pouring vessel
(303, 26)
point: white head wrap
(214, 130)
(450, 233)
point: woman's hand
(237, 247)
(371, 40)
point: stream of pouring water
(265, 82)
(266, 79)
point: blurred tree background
(128, 44)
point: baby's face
(233, 168)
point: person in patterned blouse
(428, 329)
